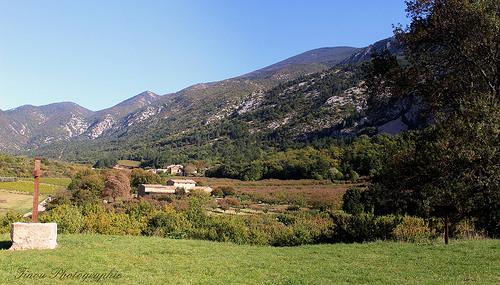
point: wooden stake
(446, 229)
(36, 191)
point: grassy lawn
(150, 260)
(17, 202)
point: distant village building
(172, 184)
(171, 169)
(154, 189)
(182, 183)
(175, 169)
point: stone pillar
(33, 236)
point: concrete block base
(33, 236)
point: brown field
(273, 194)
(129, 163)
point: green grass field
(17, 202)
(151, 260)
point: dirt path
(41, 208)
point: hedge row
(283, 230)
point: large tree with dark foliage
(452, 48)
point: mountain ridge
(151, 121)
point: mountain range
(314, 94)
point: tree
(351, 201)
(140, 176)
(453, 54)
(228, 190)
(189, 170)
(117, 185)
(106, 162)
(200, 167)
(87, 180)
(453, 50)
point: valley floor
(151, 260)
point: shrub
(465, 229)
(217, 192)
(226, 203)
(354, 176)
(324, 201)
(60, 198)
(98, 220)
(286, 219)
(362, 228)
(180, 191)
(69, 218)
(352, 203)
(195, 213)
(413, 229)
(164, 197)
(82, 197)
(227, 190)
(281, 235)
(204, 197)
(168, 223)
(335, 174)
(293, 208)
(180, 205)
(257, 207)
(223, 229)
(7, 220)
(142, 211)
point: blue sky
(98, 53)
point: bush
(293, 208)
(227, 190)
(222, 229)
(195, 213)
(217, 192)
(281, 235)
(413, 229)
(362, 228)
(352, 203)
(60, 198)
(168, 223)
(287, 220)
(354, 176)
(204, 197)
(141, 211)
(226, 203)
(98, 220)
(7, 220)
(324, 202)
(180, 191)
(465, 229)
(69, 218)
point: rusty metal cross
(36, 174)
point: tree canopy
(453, 54)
